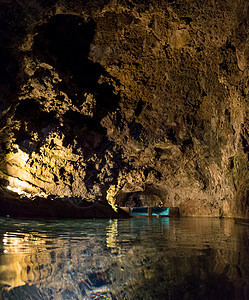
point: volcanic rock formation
(126, 102)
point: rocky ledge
(124, 102)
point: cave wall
(127, 102)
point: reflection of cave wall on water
(79, 259)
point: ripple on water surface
(124, 259)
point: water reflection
(124, 259)
(111, 235)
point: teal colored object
(139, 211)
(160, 211)
(144, 211)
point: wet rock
(105, 99)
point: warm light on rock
(127, 104)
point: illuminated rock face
(126, 102)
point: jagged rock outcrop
(126, 102)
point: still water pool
(161, 258)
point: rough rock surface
(126, 101)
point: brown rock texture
(128, 102)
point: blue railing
(152, 211)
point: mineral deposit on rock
(135, 103)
